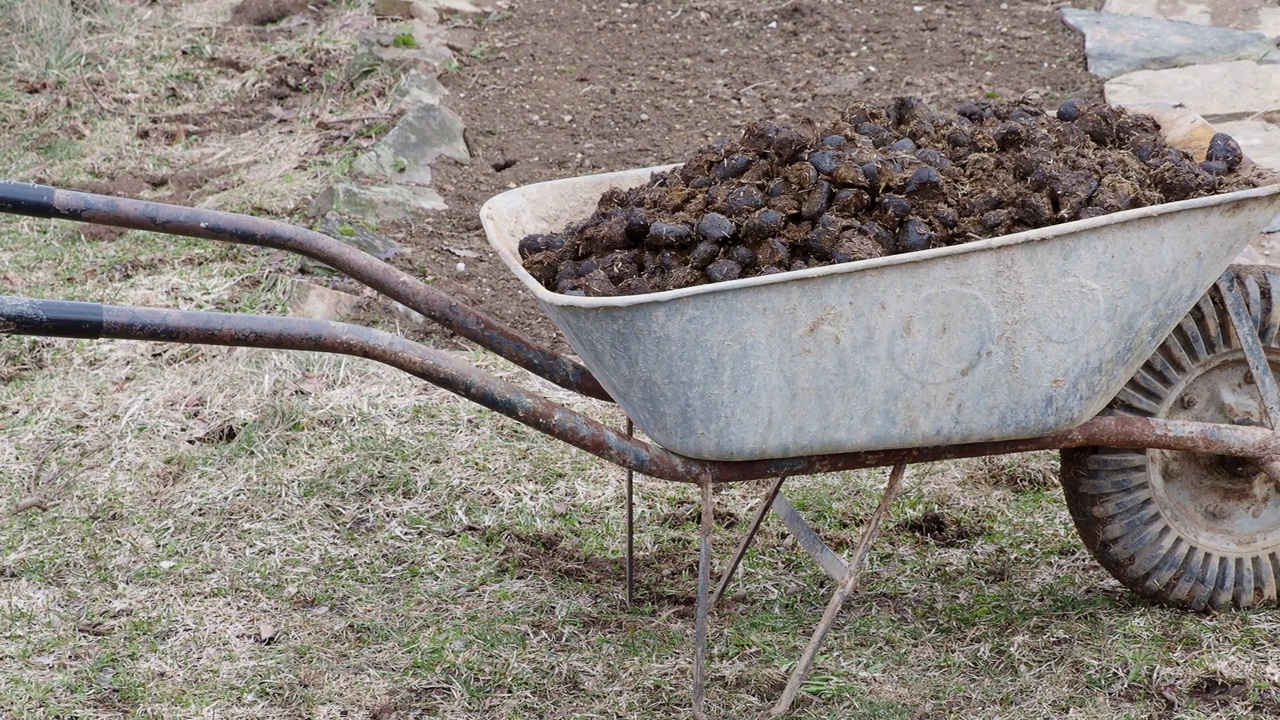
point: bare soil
(555, 89)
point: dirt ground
(555, 88)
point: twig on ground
(40, 500)
(327, 124)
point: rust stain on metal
(394, 283)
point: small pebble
(460, 267)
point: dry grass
(241, 534)
(131, 92)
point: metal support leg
(700, 621)
(761, 511)
(809, 540)
(846, 586)
(1247, 334)
(631, 528)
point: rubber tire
(1117, 497)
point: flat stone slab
(1252, 15)
(338, 227)
(395, 202)
(309, 300)
(1118, 44)
(417, 44)
(1259, 140)
(352, 233)
(417, 89)
(456, 7)
(1217, 91)
(424, 133)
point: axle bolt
(1189, 401)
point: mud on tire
(1184, 529)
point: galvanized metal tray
(1005, 338)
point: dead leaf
(31, 502)
(266, 633)
(96, 629)
(309, 384)
(35, 88)
(280, 114)
(463, 252)
(12, 280)
(179, 133)
(218, 435)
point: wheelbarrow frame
(60, 318)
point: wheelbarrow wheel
(1185, 529)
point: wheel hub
(1224, 503)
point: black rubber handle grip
(50, 318)
(20, 198)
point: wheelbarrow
(1155, 378)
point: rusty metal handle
(50, 318)
(49, 202)
(57, 317)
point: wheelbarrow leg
(846, 586)
(700, 620)
(761, 511)
(809, 541)
(631, 528)
(1247, 335)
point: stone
(461, 39)
(413, 33)
(425, 12)
(354, 234)
(207, 12)
(338, 227)
(433, 58)
(1217, 91)
(1259, 140)
(1252, 15)
(413, 45)
(377, 203)
(456, 7)
(409, 313)
(843, 84)
(309, 300)
(416, 89)
(360, 66)
(425, 133)
(1117, 44)
(393, 8)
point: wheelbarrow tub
(999, 339)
